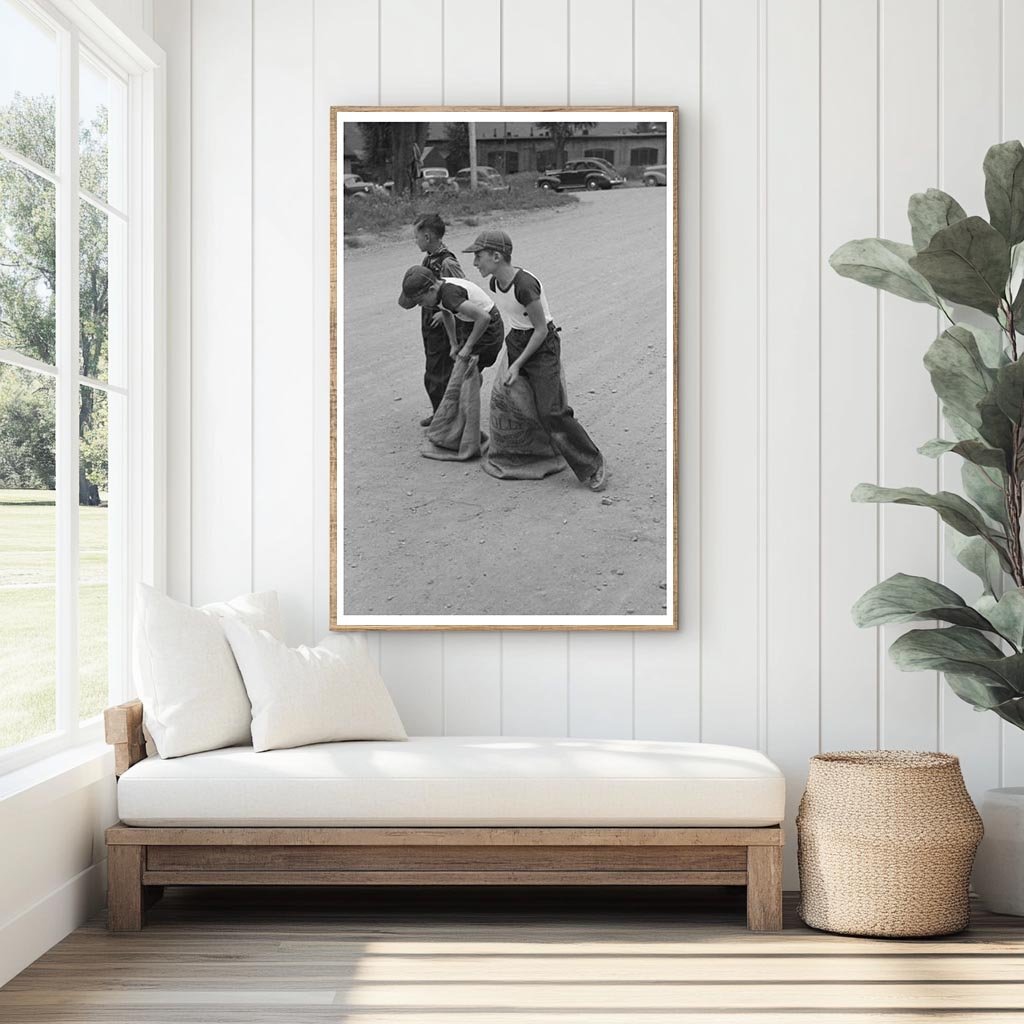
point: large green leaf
(1004, 189)
(986, 488)
(932, 211)
(954, 510)
(958, 372)
(1009, 390)
(976, 555)
(982, 693)
(903, 598)
(990, 345)
(962, 651)
(967, 263)
(1006, 614)
(962, 430)
(996, 429)
(973, 451)
(883, 264)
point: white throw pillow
(309, 694)
(192, 693)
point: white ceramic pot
(999, 866)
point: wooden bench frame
(142, 860)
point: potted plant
(978, 375)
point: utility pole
(472, 155)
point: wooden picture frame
(436, 543)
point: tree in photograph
(28, 261)
(407, 142)
(376, 136)
(457, 133)
(561, 132)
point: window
(642, 156)
(73, 394)
(602, 154)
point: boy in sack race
(455, 425)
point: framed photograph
(504, 346)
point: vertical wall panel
(792, 385)
(284, 341)
(1012, 127)
(472, 52)
(410, 52)
(849, 372)
(173, 30)
(600, 52)
(969, 124)
(413, 671)
(351, 30)
(729, 359)
(909, 415)
(472, 74)
(600, 684)
(535, 697)
(666, 666)
(472, 684)
(221, 527)
(535, 64)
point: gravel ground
(434, 538)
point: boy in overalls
(428, 230)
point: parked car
(432, 179)
(655, 175)
(591, 173)
(437, 179)
(353, 185)
(487, 180)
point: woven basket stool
(885, 843)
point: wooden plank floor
(219, 956)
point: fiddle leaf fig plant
(978, 376)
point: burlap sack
(519, 448)
(454, 433)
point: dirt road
(424, 537)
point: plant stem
(1012, 498)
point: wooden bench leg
(125, 897)
(764, 888)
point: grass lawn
(28, 614)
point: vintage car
(353, 185)
(487, 180)
(590, 173)
(437, 179)
(431, 179)
(655, 175)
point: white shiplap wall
(804, 123)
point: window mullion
(67, 386)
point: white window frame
(141, 64)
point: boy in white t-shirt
(458, 301)
(535, 354)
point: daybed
(444, 811)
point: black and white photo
(504, 350)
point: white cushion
(309, 694)
(457, 780)
(191, 691)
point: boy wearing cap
(534, 353)
(458, 301)
(428, 230)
